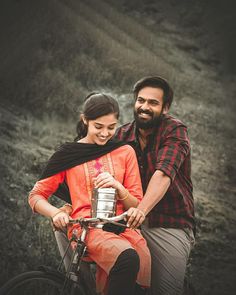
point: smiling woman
(94, 161)
(100, 130)
(92, 122)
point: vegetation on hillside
(56, 51)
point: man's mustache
(144, 112)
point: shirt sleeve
(44, 188)
(173, 151)
(132, 180)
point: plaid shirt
(168, 150)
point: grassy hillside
(53, 52)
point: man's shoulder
(126, 132)
(126, 127)
(170, 121)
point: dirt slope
(53, 52)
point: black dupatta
(72, 154)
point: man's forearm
(157, 187)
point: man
(163, 151)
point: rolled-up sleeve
(44, 188)
(173, 151)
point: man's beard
(154, 121)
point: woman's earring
(84, 120)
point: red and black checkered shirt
(168, 150)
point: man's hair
(155, 82)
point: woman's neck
(83, 140)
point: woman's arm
(38, 199)
(105, 179)
(67, 208)
(130, 191)
(59, 217)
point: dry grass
(108, 46)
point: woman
(95, 160)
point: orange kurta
(103, 247)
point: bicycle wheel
(40, 283)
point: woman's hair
(95, 106)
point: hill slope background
(54, 52)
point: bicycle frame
(72, 273)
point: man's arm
(157, 187)
(173, 151)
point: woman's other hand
(105, 179)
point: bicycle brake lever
(117, 218)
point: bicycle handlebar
(100, 220)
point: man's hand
(135, 217)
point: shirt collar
(132, 131)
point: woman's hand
(105, 179)
(60, 219)
(67, 208)
(135, 217)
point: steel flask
(103, 202)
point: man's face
(148, 107)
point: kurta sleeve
(44, 188)
(132, 180)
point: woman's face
(101, 129)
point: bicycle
(78, 280)
(48, 281)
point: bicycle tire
(39, 283)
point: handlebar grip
(100, 220)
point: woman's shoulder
(126, 149)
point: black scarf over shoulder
(72, 154)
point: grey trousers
(170, 249)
